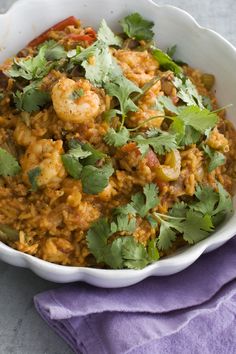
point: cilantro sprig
(187, 91)
(161, 141)
(191, 124)
(103, 70)
(194, 221)
(111, 242)
(122, 88)
(124, 252)
(33, 69)
(135, 26)
(31, 99)
(80, 163)
(117, 138)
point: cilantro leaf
(207, 199)
(137, 27)
(8, 164)
(107, 36)
(216, 204)
(178, 129)
(191, 136)
(191, 123)
(196, 227)
(94, 179)
(165, 61)
(31, 68)
(98, 71)
(31, 99)
(33, 175)
(78, 152)
(123, 223)
(53, 51)
(216, 158)
(72, 166)
(117, 139)
(125, 210)
(142, 202)
(97, 238)
(86, 152)
(199, 119)
(161, 144)
(71, 159)
(187, 91)
(134, 254)
(166, 235)
(179, 210)
(225, 204)
(95, 155)
(122, 88)
(79, 161)
(166, 103)
(108, 115)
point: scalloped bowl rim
(124, 277)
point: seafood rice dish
(113, 153)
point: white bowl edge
(167, 266)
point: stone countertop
(22, 331)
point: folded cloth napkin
(190, 312)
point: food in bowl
(112, 153)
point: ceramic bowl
(198, 46)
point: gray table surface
(22, 331)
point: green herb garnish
(135, 26)
(8, 164)
(33, 178)
(165, 61)
(79, 162)
(216, 158)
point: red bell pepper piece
(89, 36)
(69, 21)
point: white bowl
(198, 46)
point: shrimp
(45, 154)
(77, 101)
(139, 67)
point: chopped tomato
(69, 21)
(89, 36)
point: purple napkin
(190, 312)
